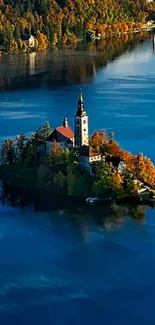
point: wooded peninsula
(38, 24)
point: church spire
(81, 124)
(65, 123)
(81, 96)
(80, 110)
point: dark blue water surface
(62, 267)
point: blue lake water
(63, 267)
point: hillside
(52, 22)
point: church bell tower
(81, 137)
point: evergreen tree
(44, 131)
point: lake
(80, 266)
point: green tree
(8, 155)
(76, 184)
(107, 181)
(60, 182)
(31, 151)
(16, 33)
(44, 131)
(21, 143)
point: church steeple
(65, 122)
(81, 124)
(81, 96)
(80, 110)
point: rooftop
(65, 131)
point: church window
(84, 130)
(84, 121)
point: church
(78, 139)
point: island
(36, 25)
(64, 164)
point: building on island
(63, 135)
(87, 155)
(79, 140)
(81, 136)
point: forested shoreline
(60, 22)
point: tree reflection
(70, 65)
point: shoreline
(120, 35)
(48, 200)
(60, 45)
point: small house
(118, 163)
(29, 40)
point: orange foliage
(141, 167)
(98, 139)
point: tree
(30, 151)
(44, 131)
(13, 48)
(45, 175)
(98, 139)
(64, 39)
(42, 40)
(76, 185)
(8, 152)
(16, 33)
(107, 181)
(111, 137)
(21, 142)
(60, 181)
(54, 39)
(22, 46)
(55, 153)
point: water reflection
(65, 67)
(106, 218)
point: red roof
(61, 132)
(66, 132)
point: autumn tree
(56, 153)
(42, 40)
(52, 21)
(98, 139)
(13, 48)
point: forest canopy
(62, 21)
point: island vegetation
(29, 24)
(60, 173)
